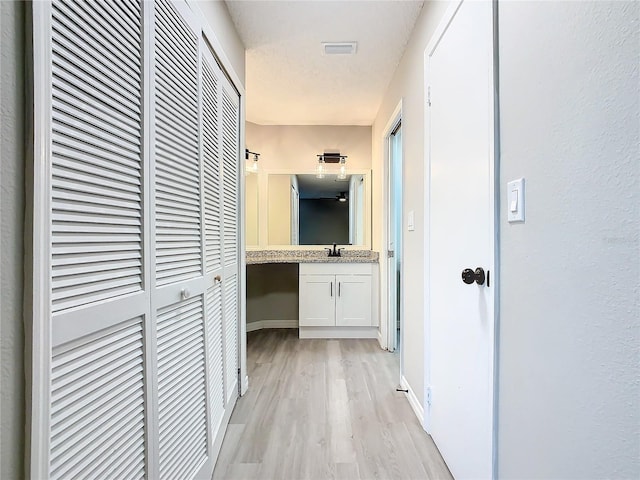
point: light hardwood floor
(324, 409)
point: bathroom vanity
(292, 282)
(338, 296)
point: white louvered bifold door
(230, 113)
(178, 297)
(91, 177)
(135, 299)
(211, 161)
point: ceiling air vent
(339, 48)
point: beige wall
(296, 146)
(407, 85)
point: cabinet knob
(185, 293)
(217, 279)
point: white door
(90, 264)
(178, 299)
(461, 235)
(211, 176)
(229, 108)
(128, 304)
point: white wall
(407, 84)
(296, 146)
(569, 399)
(12, 399)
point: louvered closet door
(230, 114)
(93, 416)
(179, 294)
(211, 161)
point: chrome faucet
(335, 252)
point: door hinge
(429, 95)
(238, 371)
(390, 253)
(429, 396)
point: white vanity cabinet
(337, 300)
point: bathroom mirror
(299, 210)
(251, 209)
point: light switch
(410, 221)
(515, 200)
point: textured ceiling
(288, 79)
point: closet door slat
(181, 410)
(86, 205)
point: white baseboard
(338, 332)
(382, 345)
(413, 400)
(245, 385)
(260, 324)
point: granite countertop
(309, 256)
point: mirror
(251, 208)
(299, 209)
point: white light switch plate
(515, 201)
(411, 221)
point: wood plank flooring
(324, 409)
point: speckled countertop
(309, 256)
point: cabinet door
(317, 300)
(353, 301)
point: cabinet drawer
(336, 268)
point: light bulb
(320, 169)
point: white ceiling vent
(339, 48)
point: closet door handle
(339, 285)
(331, 288)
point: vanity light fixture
(326, 158)
(253, 165)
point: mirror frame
(263, 210)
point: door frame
(494, 196)
(383, 334)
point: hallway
(324, 409)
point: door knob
(469, 276)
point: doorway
(394, 229)
(392, 328)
